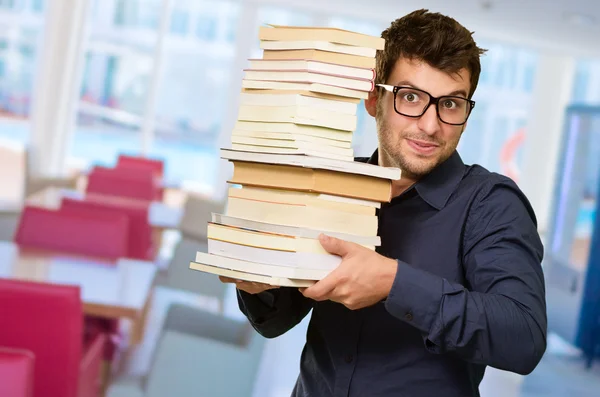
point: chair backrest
(47, 320)
(154, 165)
(196, 215)
(134, 183)
(233, 350)
(140, 230)
(181, 277)
(16, 372)
(91, 234)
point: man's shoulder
(492, 188)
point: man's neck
(399, 186)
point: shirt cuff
(259, 306)
(415, 297)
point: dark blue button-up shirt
(469, 292)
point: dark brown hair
(436, 39)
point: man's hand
(362, 279)
(247, 286)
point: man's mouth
(422, 147)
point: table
(120, 290)
(161, 216)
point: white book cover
(260, 268)
(203, 264)
(233, 221)
(302, 260)
(353, 167)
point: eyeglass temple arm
(387, 87)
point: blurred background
(86, 82)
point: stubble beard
(392, 154)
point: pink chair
(16, 372)
(90, 234)
(134, 183)
(47, 320)
(140, 231)
(156, 166)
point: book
(322, 56)
(312, 180)
(280, 33)
(301, 146)
(303, 260)
(284, 136)
(299, 98)
(295, 129)
(303, 216)
(271, 241)
(304, 86)
(294, 175)
(313, 94)
(352, 167)
(296, 231)
(337, 203)
(310, 65)
(305, 115)
(217, 265)
(305, 76)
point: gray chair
(196, 215)
(203, 354)
(179, 276)
(9, 220)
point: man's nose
(429, 122)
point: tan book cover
(312, 180)
(334, 35)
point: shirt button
(408, 316)
(348, 358)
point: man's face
(417, 145)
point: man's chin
(418, 167)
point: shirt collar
(437, 186)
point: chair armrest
(90, 380)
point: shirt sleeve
(500, 318)
(274, 312)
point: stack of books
(294, 171)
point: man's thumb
(334, 245)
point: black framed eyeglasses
(412, 102)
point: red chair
(140, 230)
(133, 183)
(96, 235)
(47, 320)
(16, 372)
(154, 165)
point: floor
(561, 372)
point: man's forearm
(484, 328)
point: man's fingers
(321, 289)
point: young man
(457, 284)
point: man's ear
(371, 103)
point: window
(179, 22)
(503, 98)
(206, 28)
(37, 6)
(193, 94)
(18, 66)
(586, 89)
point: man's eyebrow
(460, 92)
